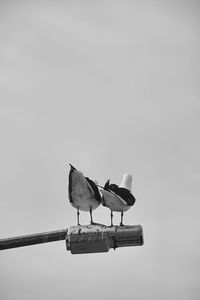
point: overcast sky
(111, 87)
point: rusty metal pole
(33, 239)
(83, 239)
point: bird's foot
(93, 223)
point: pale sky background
(111, 87)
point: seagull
(83, 193)
(118, 198)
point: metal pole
(32, 239)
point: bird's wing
(93, 187)
(109, 195)
(126, 196)
(70, 185)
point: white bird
(83, 193)
(118, 198)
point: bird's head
(126, 182)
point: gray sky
(112, 87)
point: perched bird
(118, 198)
(83, 193)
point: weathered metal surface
(87, 243)
(83, 239)
(100, 238)
(33, 239)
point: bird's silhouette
(83, 193)
(118, 198)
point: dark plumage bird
(118, 198)
(83, 193)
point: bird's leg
(91, 220)
(122, 214)
(78, 214)
(111, 216)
